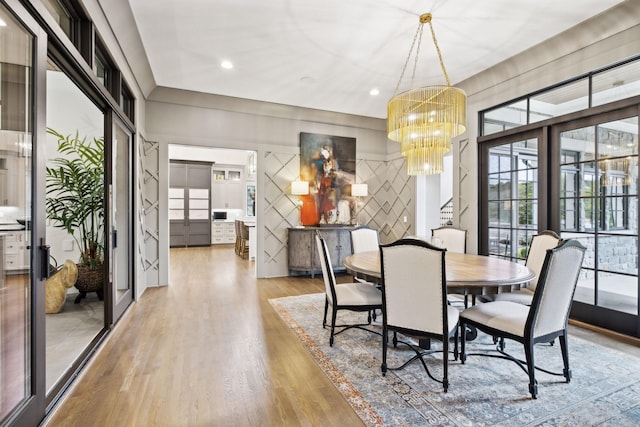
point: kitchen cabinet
(223, 232)
(302, 250)
(16, 256)
(227, 187)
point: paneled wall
(150, 212)
(390, 200)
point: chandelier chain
(406, 62)
(435, 42)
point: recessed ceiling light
(375, 91)
(226, 64)
(2, 23)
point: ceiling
(329, 54)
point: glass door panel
(75, 137)
(16, 141)
(512, 197)
(599, 207)
(121, 220)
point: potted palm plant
(75, 203)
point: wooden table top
(475, 274)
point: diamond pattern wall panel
(390, 200)
(150, 195)
(280, 210)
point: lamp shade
(299, 188)
(359, 190)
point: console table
(303, 253)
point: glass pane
(504, 188)
(618, 253)
(507, 117)
(578, 144)
(74, 120)
(585, 289)
(618, 292)
(615, 84)
(588, 183)
(493, 187)
(16, 93)
(558, 101)
(494, 213)
(60, 14)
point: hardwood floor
(209, 350)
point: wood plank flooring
(209, 350)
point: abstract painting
(328, 164)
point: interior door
(120, 220)
(22, 72)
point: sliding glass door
(22, 53)
(598, 205)
(578, 177)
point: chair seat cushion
(358, 294)
(522, 296)
(503, 315)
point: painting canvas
(328, 163)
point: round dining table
(466, 274)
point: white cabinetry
(223, 232)
(227, 187)
(15, 250)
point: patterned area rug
(604, 390)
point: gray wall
(182, 117)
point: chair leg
(445, 364)
(531, 367)
(565, 357)
(385, 339)
(334, 313)
(463, 341)
(326, 309)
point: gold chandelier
(423, 120)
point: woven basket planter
(90, 280)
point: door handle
(45, 251)
(114, 238)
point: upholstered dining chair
(414, 301)
(355, 296)
(547, 239)
(543, 321)
(452, 238)
(364, 239)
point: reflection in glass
(561, 100)
(618, 292)
(506, 117)
(16, 92)
(615, 84)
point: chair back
(244, 231)
(327, 269)
(414, 286)
(452, 238)
(364, 239)
(553, 296)
(547, 239)
(237, 224)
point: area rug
(604, 390)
